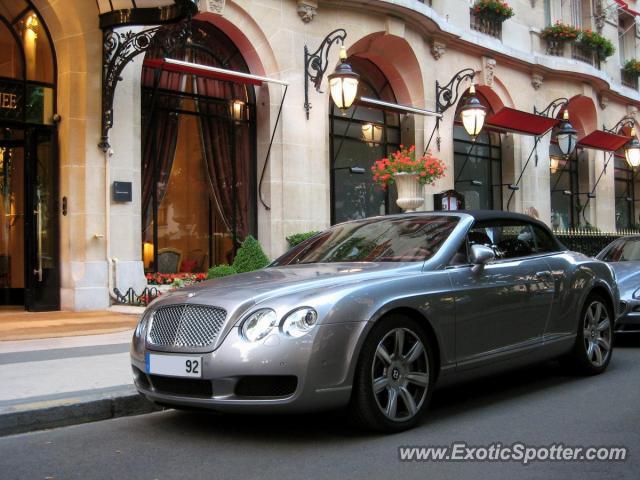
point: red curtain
(226, 149)
(160, 134)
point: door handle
(38, 213)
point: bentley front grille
(186, 326)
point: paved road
(538, 406)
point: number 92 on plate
(173, 365)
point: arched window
(477, 165)
(198, 159)
(564, 184)
(359, 137)
(625, 194)
(624, 180)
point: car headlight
(299, 322)
(636, 294)
(258, 325)
(142, 324)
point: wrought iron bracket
(553, 109)
(120, 48)
(624, 122)
(447, 96)
(316, 63)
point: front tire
(394, 376)
(592, 351)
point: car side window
(543, 241)
(461, 257)
(507, 239)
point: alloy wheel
(597, 333)
(400, 374)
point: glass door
(41, 221)
(11, 216)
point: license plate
(174, 365)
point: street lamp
(632, 150)
(473, 114)
(343, 83)
(566, 135)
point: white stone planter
(410, 191)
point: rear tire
(593, 348)
(394, 376)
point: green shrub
(221, 271)
(297, 238)
(250, 256)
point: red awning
(203, 71)
(512, 120)
(625, 6)
(599, 140)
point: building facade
(201, 162)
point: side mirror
(480, 256)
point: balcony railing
(629, 79)
(586, 55)
(555, 48)
(488, 26)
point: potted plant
(599, 45)
(632, 67)
(410, 173)
(492, 10)
(557, 35)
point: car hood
(627, 276)
(247, 289)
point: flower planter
(410, 191)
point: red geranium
(427, 167)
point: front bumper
(629, 320)
(307, 373)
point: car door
(506, 304)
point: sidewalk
(21, 325)
(51, 382)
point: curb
(42, 415)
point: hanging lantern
(566, 135)
(238, 109)
(343, 83)
(372, 134)
(473, 114)
(632, 150)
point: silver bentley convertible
(372, 314)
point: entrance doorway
(28, 227)
(29, 259)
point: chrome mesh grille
(186, 326)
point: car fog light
(258, 325)
(299, 322)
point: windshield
(409, 239)
(624, 251)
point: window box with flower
(630, 73)
(557, 36)
(409, 173)
(487, 16)
(601, 47)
